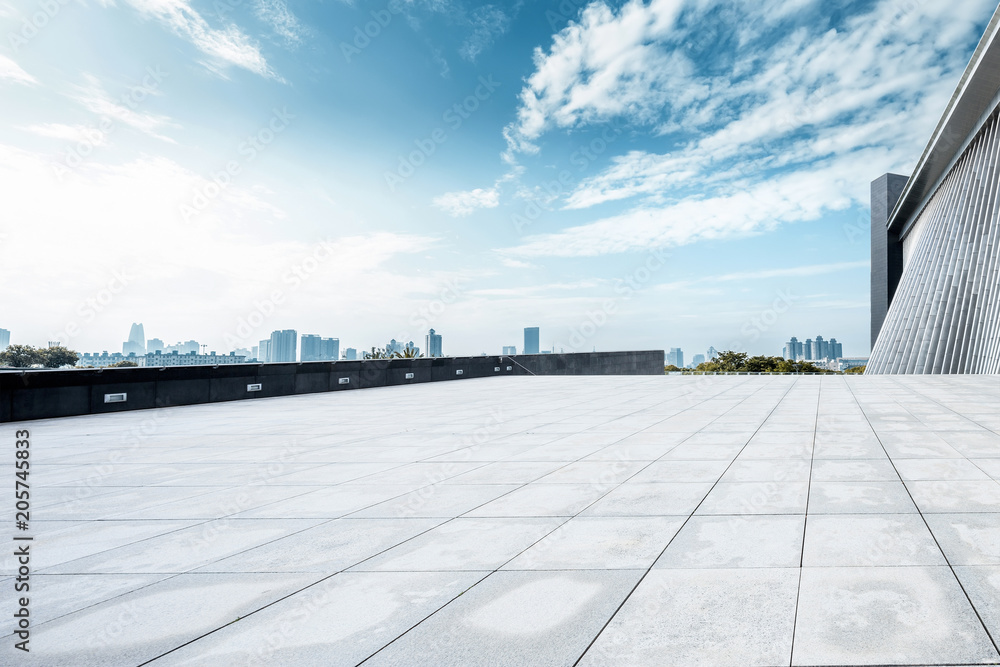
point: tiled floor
(524, 521)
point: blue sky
(625, 175)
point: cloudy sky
(625, 175)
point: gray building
(158, 359)
(264, 351)
(316, 348)
(509, 349)
(530, 340)
(698, 360)
(433, 344)
(154, 345)
(675, 357)
(935, 304)
(183, 348)
(813, 350)
(350, 354)
(4, 339)
(136, 343)
(284, 346)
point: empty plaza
(678, 520)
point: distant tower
(136, 343)
(433, 344)
(4, 339)
(530, 340)
(284, 346)
(712, 353)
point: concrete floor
(524, 521)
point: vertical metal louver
(945, 317)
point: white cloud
(70, 133)
(228, 46)
(459, 204)
(11, 71)
(487, 22)
(95, 99)
(276, 14)
(794, 126)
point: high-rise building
(793, 350)
(264, 351)
(675, 357)
(698, 360)
(154, 345)
(284, 346)
(315, 348)
(531, 340)
(935, 305)
(433, 344)
(4, 339)
(393, 347)
(712, 353)
(509, 349)
(350, 354)
(136, 343)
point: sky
(623, 175)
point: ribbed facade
(945, 314)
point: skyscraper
(136, 343)
(330, 349)
(793, 350)
(531, 340)
(675, 357)
(712, 353)
(284, 346)
(154, 345)
(350, 354)
(4, 339)
(509, 349)
(264, 351)
(433, 344)
(698, 360)
(310, 348)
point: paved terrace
(524, 521)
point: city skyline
(526, 182)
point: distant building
(315, 348)
(242, 352)
(4, 339)
(813, 350)
(158, 359)
(414, 348)
(154, 345)
(350, 354)
(712, 353)
(255, 353)
(844, 363)
(675, 357)
(136, 343)
(284, 346)
(182, 348)
(264, 351)
(433, 344)
(509, 349)
(698, 360)
(531, 340)
(393, 347)
(54, 343)
(104, 359)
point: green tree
(407, 353)
(731, 362)
(672, 369)
(376, 353)
(124, 364)
(55, 357)
(20, 356)
(857, 370)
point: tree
(407, 353)
(376, 353)
(857, 370)
(672, 369)
(124, 364)
(20, 356)
(731, 362)
(55, 357)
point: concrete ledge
(43, 394)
